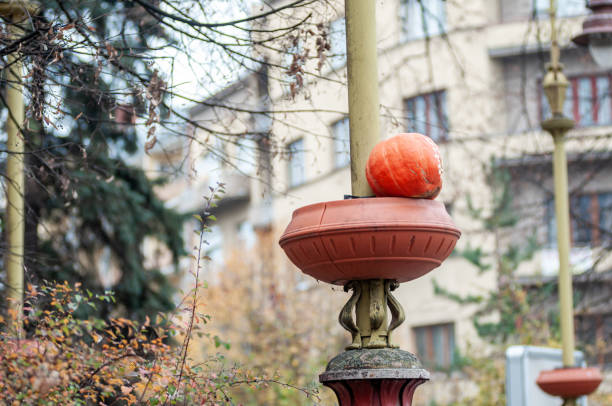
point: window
(421, 19)
(246, 158)
(565, 8)
(246, 234)
(587, 101)
(340, 130)
(590, 220)
(581, 221)
(337, 42)
(296, 163)
(594, 330)
(214, 242)
(435, 345)
(426, 114)
(604, 204)
(208, 167)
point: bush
(67, 358)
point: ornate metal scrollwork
(397, 311)
(346, 314)
(377, 293)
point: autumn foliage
(67, 358)
(281, 324)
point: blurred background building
(467, 74)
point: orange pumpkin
(405, 165)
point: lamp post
(568, 382)
(16, 12)
(369, 245)
(597, 33)
(362, 83)
(555, 84)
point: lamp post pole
(364, 130)
(15, 12)
(363, 101)
(569, 382)
(555, 84)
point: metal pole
(362, 68)
(566, 305)
(555, 85)
(15, 220)
(14, 189)
(554, 44)
(363, 102)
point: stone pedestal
(374, 377)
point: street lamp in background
(597, 33)
(570, 381)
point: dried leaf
(150, 144)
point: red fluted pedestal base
(374, 377)
(375, 392)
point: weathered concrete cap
(384, 363)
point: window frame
(337, 54)
(337, 163)
(450, 344)
(246, 234)
(594, 328)
(563, 11)
(439, 98)
(214, 247)
(246, 158)
(405, 7)
(592, 223)
(293, 152)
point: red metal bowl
(376, 238)
(569, 383)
